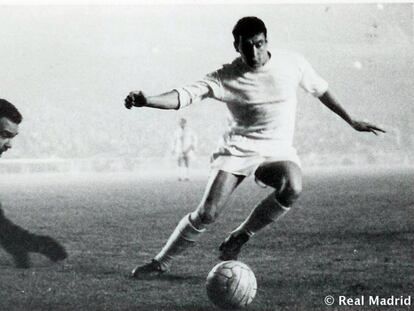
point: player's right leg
(286, 178)
(219, 188)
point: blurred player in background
(184, 147)
(14, 239)
(259, 88)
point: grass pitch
(351, 234)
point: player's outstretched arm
(167, 100)
(329, 101)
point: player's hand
(135, 99)
(362, 126)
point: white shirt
(262, 102)
(185, 141)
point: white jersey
(262, 102)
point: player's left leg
(190, 228)
(286, 178)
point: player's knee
(207, 213)
(207, 217)
(295, 189)
(289, 193)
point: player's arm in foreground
(329, 101)
(168, 100)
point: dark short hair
(9, 111)
(248, 26)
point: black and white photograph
(206, 155)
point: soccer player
(14, 239)
(184, 146)
(259, 89)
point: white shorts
(241, 155)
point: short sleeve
(209, 86)
(310, 81)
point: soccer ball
(231, 285)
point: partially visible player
(184, 147)
(259, 88)
(15, 240)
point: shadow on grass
(168, 278)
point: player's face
(253, 50)
(8, 130)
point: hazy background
(69, 68)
